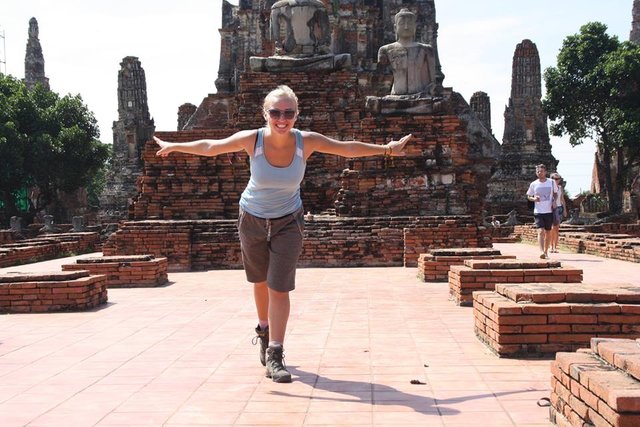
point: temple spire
(34, 59)
(525, 142)
(635, 23)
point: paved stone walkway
(181, 355)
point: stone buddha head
(405, 23)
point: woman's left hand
(397, 147)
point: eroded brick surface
(588, 389)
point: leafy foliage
(46, 142)
(594, 93)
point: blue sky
(177, 42)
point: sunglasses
(276, 114)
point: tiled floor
(181, 355)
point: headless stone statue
(48, 225)
(300, 27)
(413, 64)
(302, 37)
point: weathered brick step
(434, 265)
(527, 328)
(125, 271)
(51, 291)
(597, 293)
(512, 264)
(621, 353)
(460, 252)
(115, 258)
(588, 390)
(15, 277)
(477, 275)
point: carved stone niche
(302, 36)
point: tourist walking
(270, 220)
(559, 213)
(543, 191)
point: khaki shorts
(271, 248)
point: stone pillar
(225, 82)
(185, 111)
(525, 142)
(34, 59)
(481, 106)
(635, 23)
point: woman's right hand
(165, 147)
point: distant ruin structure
(481, 105)
(635, 22)
(34, 59)
(525, 143)
(185, 111)
(132, 129)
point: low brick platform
(434, 265)
(599, 386)
(539, 319)
(133, 271)
(477, 275)
(49, 246)
(55, 291)
(593, 240)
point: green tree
(46, 142)
(594, 93)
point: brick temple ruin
(343, 94)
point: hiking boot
(263, 336)
(276, 369)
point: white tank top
(273, 192)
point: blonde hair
(282, 91)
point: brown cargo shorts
(271, 248)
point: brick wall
(125, 271)
(329, 241)
(47, 247)
(7, 236)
